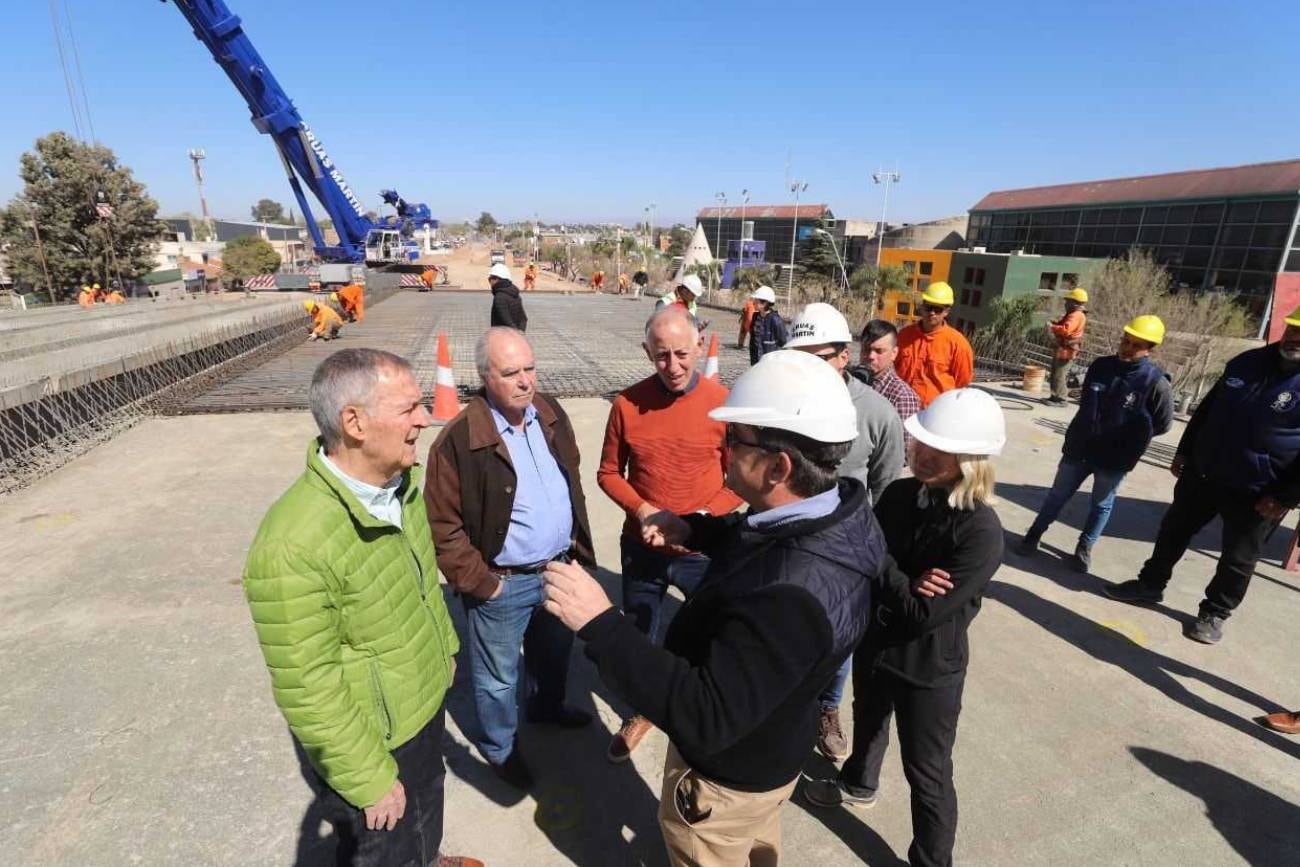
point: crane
(381, 243)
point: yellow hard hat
(1293, 318)
(85, 288)
(96, 285)
(1148, 328)
(309, 306)
(334, 296)
(1077, 294)
(939, 293)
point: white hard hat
(792, 391)
(499, 270)
(692, 285)
(818, 323)
(965, 421)
(764, 293)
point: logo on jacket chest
(1130, 400)
(1284, 401)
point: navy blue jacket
(1245, 435)
(768, 334)
(735, 685)
(1122, 405)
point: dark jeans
(415, 840)
(496, 629)
(1196, 502)
(927, 729)
(647, 574)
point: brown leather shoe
(830, 737)
(1286, 722)
(631, 734)
(457, 861)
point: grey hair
(667, 311)
(347, 378)
(481, 348)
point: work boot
(1207, 629)
(1286, 722)
(627, 738)
(1028, 545)
(830, 793)
(1134, 592)
(1082, 557)
(457, 861)
(1057, 401)
(513, 771)
(830, 737)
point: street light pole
(796, 187)
(744, 201)
(717, 245)
(836, 251)
(886, 178)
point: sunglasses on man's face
(933, 308)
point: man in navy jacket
(1238, 460)
(1125, 401)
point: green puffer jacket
(352, 624)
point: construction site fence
(48, 424)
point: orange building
(923, 267)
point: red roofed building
(1229, 229)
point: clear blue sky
(590, 111)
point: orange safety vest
(1068, 331)
(934, 363)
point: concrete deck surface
(137, 725)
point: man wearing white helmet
(689, 288)
(875, 459)
(507, 306)
(785, 600)
(945, 542)
(767, 331)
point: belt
(507, 571)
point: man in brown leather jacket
(504, 498)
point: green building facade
(979, 278)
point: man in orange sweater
(663, 453)
(934, 357)
(1068, 331)
(352, 298)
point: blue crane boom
(306, 162)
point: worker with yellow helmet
(934, 357)
(325, 322)
(1125, 401)
(1238, 459)
(1068, 333)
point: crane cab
(388, 247)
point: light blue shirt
(541, 522)
(818, 506)
(383, 504)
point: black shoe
(564, 717)
(1057, 401)
(1134, 592)
(1028, 545)
(1207, 629)
(1082, 557)
(514, 771)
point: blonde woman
(946, 542)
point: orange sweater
(934, 363)
(353, 298)
(1068, 331)
(664, 449)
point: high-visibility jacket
(116, 297)
(324, 319)
(934, 363)
(86, 299)
(1068, 331)
(428, 276)
(353, 299)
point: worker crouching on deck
(783, 603)
(325, 323)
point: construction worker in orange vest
(530, 276)
(598, 280)
(624, 282)
(87, 297)
(352, 298)
(325, 323)
(934, 357)
(115, 296)
(1068, 331)
(429, 275)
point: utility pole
(196, 156)
(718, 252)
(796, 187)
(744, 201)
(886, 178)
(618, 253)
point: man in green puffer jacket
(343, 586)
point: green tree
(870, 283)
(486, 223)
(628, 243)
(710, 273)
(200, 230)
(749, 279)
(246, 256)
(679, 238)
(268, 211)
(64, 182)
(817, 254)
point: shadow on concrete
(1260, 827)
(843, 822)
(1156, 670)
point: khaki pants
(730, 828)
(1061, 377)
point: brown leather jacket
(469, 492)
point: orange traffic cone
(711, 363)
(446, 405)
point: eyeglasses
(732, 442)
(828, 355)
(933, 308)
